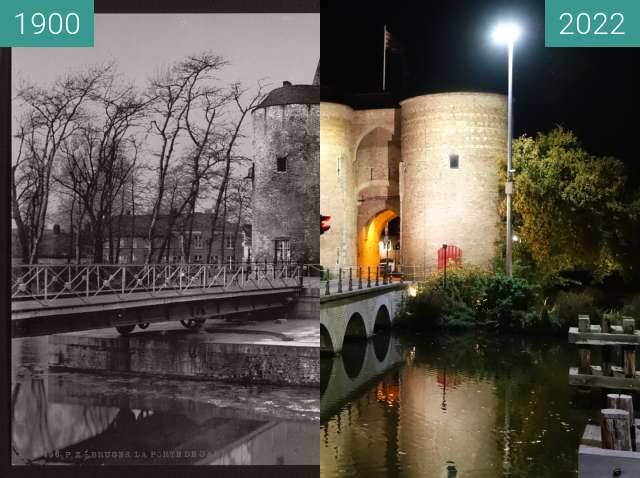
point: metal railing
(50, 282)
(338, 280)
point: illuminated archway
(369, 240)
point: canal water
(79, 418)
(435, 406)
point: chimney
(56, 229)
(286, 83)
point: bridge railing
(47, 282)
(337, 280)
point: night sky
(447, 47)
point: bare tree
(49, 119)
(99, 159)
(233, 135)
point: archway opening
(379, 243)
(326, 344)
(356, 328)
(383, 320)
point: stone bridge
(358, 313)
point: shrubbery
(474, 298)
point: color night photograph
(482, 306)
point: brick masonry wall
(285, 204)
(436, 204)
(337, 173)
(443, 205)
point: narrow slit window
(281, 164)
(454, 161)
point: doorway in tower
(379, 243)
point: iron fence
(49, 282)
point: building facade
(432, 162)
(230, 243)
(286, 187)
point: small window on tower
(281, 164)
(454, 161)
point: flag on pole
(391, 43)
(394, 46)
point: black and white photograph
(164, 243)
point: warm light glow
(412, 291)
(515, 238)
(506, 33)
(369, 249)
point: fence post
(340, 280)
(124, 278)
(46, 284)
(359, 277)
(377, 276)
(88, 277)
(327, 285)
(350, 281)
(368, 277)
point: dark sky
(447, 47)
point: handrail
(48, 282)
(341, 279)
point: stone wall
(285, 204)
(337, 179)
(445, 205)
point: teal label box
(46, 23)
(592, 23)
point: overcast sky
(277, 46)
(274, 47)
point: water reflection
(64, 418)
(463, 406)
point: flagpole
(384, 59)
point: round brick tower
(286, 187)
(451, 143)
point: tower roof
(289, 94)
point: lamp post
(508, 33)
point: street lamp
(508, 33)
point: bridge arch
(383, 319)
(326, 343)
(356, 328)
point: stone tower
(286, 188)
(432, 162)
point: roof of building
(289, 94)
(140, 223)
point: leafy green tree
(570, 209)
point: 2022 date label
(592, 23)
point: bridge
(48, 299)
(356, 306)
(349, 374)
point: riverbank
(280, 352)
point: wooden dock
(620, 376)
(597, 462)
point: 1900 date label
(46, 23)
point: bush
(473, 297)
(632, 307)
(568, 305)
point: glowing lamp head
(506, 33)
